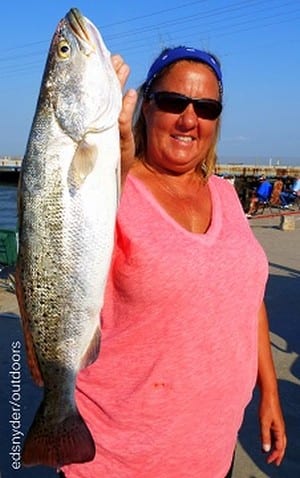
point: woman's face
(179, 142)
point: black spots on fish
(42, 362)
(46, 347)
(56, 386)
(58, 371)
(82, 165)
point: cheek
(208, 130)
(157, 120)
(158, 128)
(207, 139)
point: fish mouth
(78, 24)
(86, 31)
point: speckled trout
(68, 197)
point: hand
(121, 68)
(125, 118)
(272, 426)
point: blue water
(8, 207)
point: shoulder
(227, 193)
(222, 185)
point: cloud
(236, 139)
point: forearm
(266, 377)
(272, 426)
(126, 136)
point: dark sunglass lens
(176, 103)
(170, 103)
(208, 109)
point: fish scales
(68, 197)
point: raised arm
(125, 118)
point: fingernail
(266, 447)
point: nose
(188, 118)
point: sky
(257, 42)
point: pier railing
(10, 163)
(257, 170)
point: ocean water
(8, 206)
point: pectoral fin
(82, 164)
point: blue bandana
(172, 55)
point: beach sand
(283, 302)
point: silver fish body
(68, 197)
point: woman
(184, 327)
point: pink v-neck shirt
(178, 361)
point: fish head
(80, 86)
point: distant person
(261, 195)
(277, 188)
(289, 195)
(296, 186)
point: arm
(270, 414)
(125, 118)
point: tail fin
(61, 443)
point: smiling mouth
(184, 139)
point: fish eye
(63, 49)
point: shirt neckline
(216, 219)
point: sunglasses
(176, 103)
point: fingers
(126, 135)
(266, 438)
(130, 98)
(274, 441)
(278, 450)
(121, 68)
(125, 118)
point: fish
(68, 198)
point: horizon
(222, 159)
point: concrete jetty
(10, 163)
